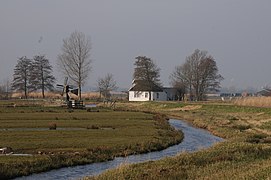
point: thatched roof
(140, 85)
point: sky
(237, 33)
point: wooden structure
(76, 104)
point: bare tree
(5, 89)
(209, 79)
(199, 74)
(179, 86)
(74, 61)
(146, 74)
(2, 91)
(42, 77)
(106, 85)
(22, 76)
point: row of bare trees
(32, 75)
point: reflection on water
(194, 139)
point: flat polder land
(57, 137)
(244, 154)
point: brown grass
(38, 95)
(55, 95)
(91, 95)
(254, 101)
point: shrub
(232, 118)
(93, 127)
(256, 138)
(241, 127)
(266, 140)
(52, 126)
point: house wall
(171, 93)
(159, 96)
(144, 96)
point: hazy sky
(237, 33)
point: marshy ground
(245, 153)
(58, 137)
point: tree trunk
(190, 92)
(42, 84)
(43, 95)
(25, 88)
(79, 89)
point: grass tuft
(52, 126)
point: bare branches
(42, 77)
(199, 74)
(106, 85)
(74, 61)
(30, 75)
(22, 76)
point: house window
(136, 94)
(146, 95)
(157, 95)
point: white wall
(144, 96)
(139, 97)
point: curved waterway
(194, 139)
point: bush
(232, 118)
(52, 126)
(256, 138)
(241, 127)
(93, 127)
(266, 140)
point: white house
(142, 93)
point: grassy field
(246, 153)
(80, 137)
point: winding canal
(194, 139)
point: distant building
(264, 92)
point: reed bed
(254, 101)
